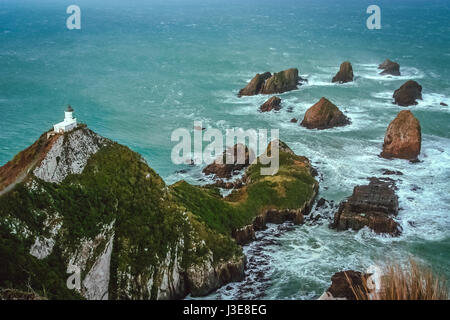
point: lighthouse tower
(68, 124)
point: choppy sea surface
(137, 70)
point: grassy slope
(150, 219)
(115, 185)
(290, 188)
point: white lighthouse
(68, 124)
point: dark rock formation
(403, 137)
(344, 284)
(267, 83)
(444, 104)
(372, 205)
(13, 294)
(294, 120)
(345, 73)
(273, 103)
(388, 172)
(408, 93)
(280, 82)
(223, 169)
(237, 184)
(390, 67)
(255, 85)
(324, 115)
(244, 235)
(202, 280)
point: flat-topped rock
(373, 205)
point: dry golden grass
(405, 282)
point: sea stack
(267, 83)
(345, 73)
(408, 93)
(280, 82)
(390, 67)
(273, 103)
(255, 85)
(403, 137)
(324, 115)
(372, 205)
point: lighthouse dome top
(69, 108)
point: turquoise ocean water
(137, 70)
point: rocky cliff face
(69, 155)
(88, 204)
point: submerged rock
(403, 137)
(390, 67)
(225, 169)
(408, 93)
(345, 73)
(372, 206)
(267, 83)
(273, 103)
(324, 115)
(444, 104)
(294, 120)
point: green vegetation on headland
(290, 188)
(157, 231)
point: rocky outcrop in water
(267, 83)
(345, 284)
(324, 115)
(408, 93)
(273, 103)
(403, 137)
(390, 67)
(281, 82)
(255, 85)
(373, 206)
(345, 73)
(224, 169)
